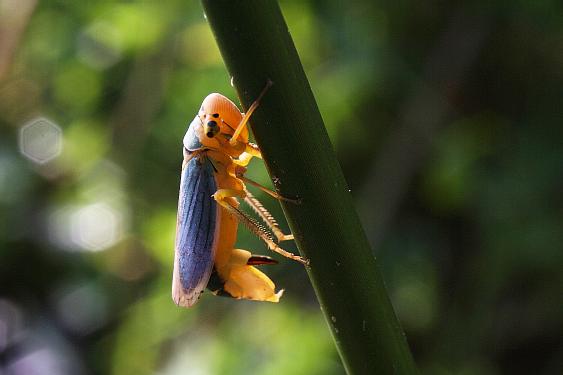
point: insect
(216, 153)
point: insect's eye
(212, 129)
(216, 115)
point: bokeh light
(96, 227)
(41, 140)
(90, 227)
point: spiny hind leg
(267, 217)
(222, 195)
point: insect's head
(219, 115)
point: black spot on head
(211, 123)
(215, 115)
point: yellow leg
(221, 195)
(243, 159)
(267, 217)
(248, 113)
(253, 150)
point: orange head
(220, 115)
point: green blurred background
(447, 120)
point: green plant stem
(256, 46)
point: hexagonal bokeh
(96, 227)
(41, 140)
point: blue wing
(195, 231)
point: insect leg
(250, 152)
(248, 113)
(253, 150)
(268, 191)
(221, 195)
(267, 217)
(243, 159)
